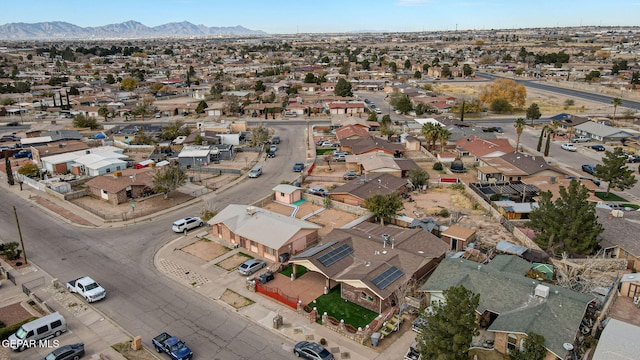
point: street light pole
(24, 254)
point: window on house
(512, 342)
(268, 250)
(282, 194)
(108, 171)
(365, 296)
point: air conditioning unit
(542, 291)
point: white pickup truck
(87, 288)
(580, 139)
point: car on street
(598, 147)
(255, 172)
(312, 351)
(275, 139)
(186, 224)
(378, 111)
(67, 352)
(318, 191)
(271, 154)
(589, 169)
(9, 138)
(497, 129)
(250, 266)
(569, 147)
(87, 288)
(298, 167)
(273, 148)
(350, 175)
(633, 158)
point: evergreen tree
(532, 349)
(343, 88)
(615, 171)
(7, 165)
(540, 138)
(569, 224)
(201, 106)
(533, 112)
(546, 147)
(450, 327)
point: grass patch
(335, 306)
(300, 270)
(324, 151)
(611, 197)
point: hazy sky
(317, 16)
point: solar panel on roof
(334, 255)
(387, 277)
(314, 250)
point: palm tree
(430, 132)
(443, 136)
(519, 125)
(615, 102)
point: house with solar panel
(373, 263)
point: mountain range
(59, 30)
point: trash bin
(277, 321)
(191, 178)
(375, 338)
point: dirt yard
(13, 314)
(233, 261)
(205, 249)
(126, 211)
(234, 299)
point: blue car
(589, 169)
(598, 147)
(297, 167)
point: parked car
(275, 140)
(312, 351)
(22, 154)
(378, 111)
(87, 288)
(266, 277)
(497, 129)
(67, 352)
(589, 169)
(418, 324)
(595, 181)
(340, 158)
(633, 158)
(187, 224)
(271, 154)
(569, 147)
(172, 346)
(255, 172)
(350, 175)
(298, 167)
(598, 147)
(9, 138)
(273, 148)
(318, 191)
(250, 266)
(580, 139)
(326, 144)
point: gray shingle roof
(505, 290)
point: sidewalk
(86, 324)
(212, 281)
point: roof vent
(251, 210)
(542, 291)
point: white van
(29, 334)
(255, 172)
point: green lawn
(335, 306)
(611, 197)
(300, 270)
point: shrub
(438, 166)
(7, 331)
(458, 186)
(11, 251)
(444, 213)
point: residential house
(215, 109)
(372, 262)
(379, 162)
(37, 153)
(355, 192)
(89, 162)
(458, 237)
(568, 122)
(341, 121)
(50, 137)
(476, 148)
(630, 287)
(351, 132)
(511, 304)
(245, 226)
(121, 186)
(553, 184)
(129, 134)
(602, 132)
(349, 108)
(372, 144)
(619, 238)
(515, 166)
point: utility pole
(24, 253)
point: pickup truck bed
(172, 346)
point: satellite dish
(567, 346)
